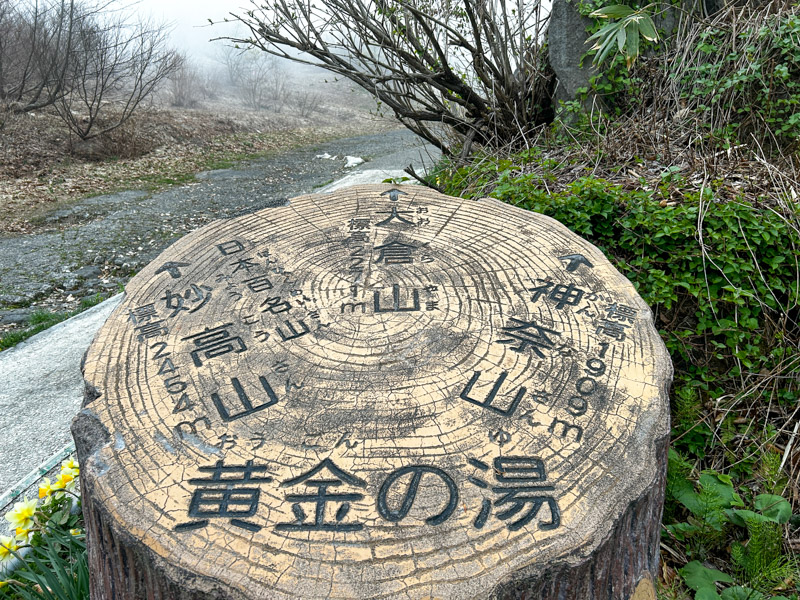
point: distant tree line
(255, 78)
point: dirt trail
(98, 243)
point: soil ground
(43, 166)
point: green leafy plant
(703, 580)
(741, 77)
(707, 505)
(48, 543)
(623, 34)
(55, 570)
(718, 276)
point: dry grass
(42, 166)
(671, 132)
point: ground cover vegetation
(685, 175)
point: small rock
(353, 161)
(43, 290)
(71, 284)
(13, 299)
(88, 272)
(18, 316)
(90, 284)
(119, 261)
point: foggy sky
(189, 22)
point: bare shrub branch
(35, 45)
(306, 103)
(261, 83)
(78, 56)
(184, 84)
(114, 61)
(475, 68)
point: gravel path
(98, 243)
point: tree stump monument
(379, 393)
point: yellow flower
(22, 514)
(75, 531)
(71, 464)
(3, 584)
(45, 488)
(23, 534)
(66, 480)
(7, 547)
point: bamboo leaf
(600, 35)
(616, 11)
(631, 44)
(621, 35)
(607, 45)
(648, 29)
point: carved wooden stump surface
(377, 393)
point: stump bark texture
(378, 393)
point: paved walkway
(41, 388)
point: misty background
(190, 31)
(191, 34)
(187, 20)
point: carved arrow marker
(394, 194)
(173, 268)
(575, 261)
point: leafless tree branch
(474, 68)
